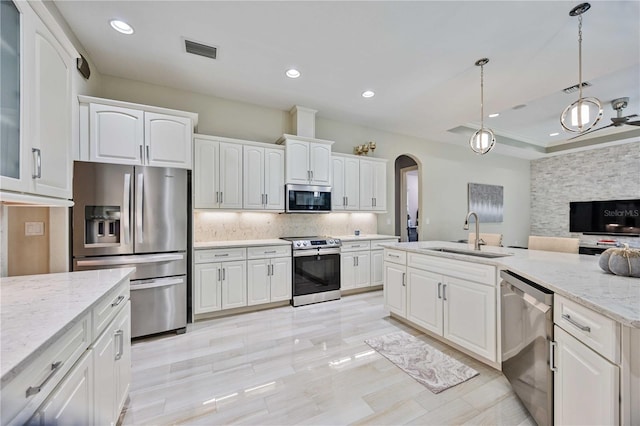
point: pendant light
(583, 114)
(483, 140)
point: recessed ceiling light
(554, 134)
(368, 94)
(292, 73)
(494, 115)
(121, 26)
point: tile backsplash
(220, 226)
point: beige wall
(445, 169)
(27, 255)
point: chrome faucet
(476, 245)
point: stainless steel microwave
(307, 199)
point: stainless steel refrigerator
(136, 216)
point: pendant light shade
(585, 113)
(483, 140)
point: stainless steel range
(316, 269)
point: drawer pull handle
(270, 251)
(221, 255)
(54, 369)
(118, 301)
(577, 324)
(120, 335)
(356, 245)
(394, 255)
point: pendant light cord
(580, 72)
(481, 97)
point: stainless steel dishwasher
(527, 334)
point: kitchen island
(55, 329)
(453, 293)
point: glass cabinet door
(10, 90)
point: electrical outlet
(426, 221)
(33, 229)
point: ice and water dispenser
(102, 225)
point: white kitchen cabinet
(355, 270)
(373, 184)
(395, 290)
(125, 133)
(377, 267)
(112, 365)
(586, 385)
(168, 140)
(72, 402)
(217, 174)
(470, 315)
(268, 280)
(219, 284)
(37, 134)
(307, 161)
(424, 299)
(345, 188)
(263, 178)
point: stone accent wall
(599, 174)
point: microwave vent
(201, 49)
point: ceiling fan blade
(591, 131)
(631, 116)
(633, 123)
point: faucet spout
(476, 245)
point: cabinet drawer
(264, 252)
(484, 274)
(600, 333)
(376, 244)
(108, 307)
(22, 395)
(355, 245)
(220, 255)
(395, 256)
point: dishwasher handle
(164, 282)
(535, 291)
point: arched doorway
(407, 202)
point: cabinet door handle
(552, 356)
(217, 197)
(148, 158)
(54, 369)
(118, 301)
(221, 198)
(444, 292)
(266, 199)
(120, 336)
(141, 155)
(311, 174)
(576, 323)
(38, 173)
(404, 284)
(224, 274)
(219, 274)
(439, 286)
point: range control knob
(305, 243)
(331, 242)
(298, 243)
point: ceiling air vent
(200, 49)
(574, 88)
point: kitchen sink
(475, 253)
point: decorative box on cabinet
(263, 177)
(220, 279)
(307, 160)
(37, 133)
(127, 133)
(373, 184)
(346, 180)
(217, 175)
(269, 274)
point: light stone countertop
(37, 309)
(240, 243)
(576, 277)
(365, 237)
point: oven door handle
(310, 252)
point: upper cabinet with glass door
(125, 133)
(37, 86)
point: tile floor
(305, 365)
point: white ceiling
(417, 56)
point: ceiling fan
(619, 120)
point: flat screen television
(612, 217)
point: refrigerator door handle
(126, 206)
(157, 283)
(120, 260)
(139, 209)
